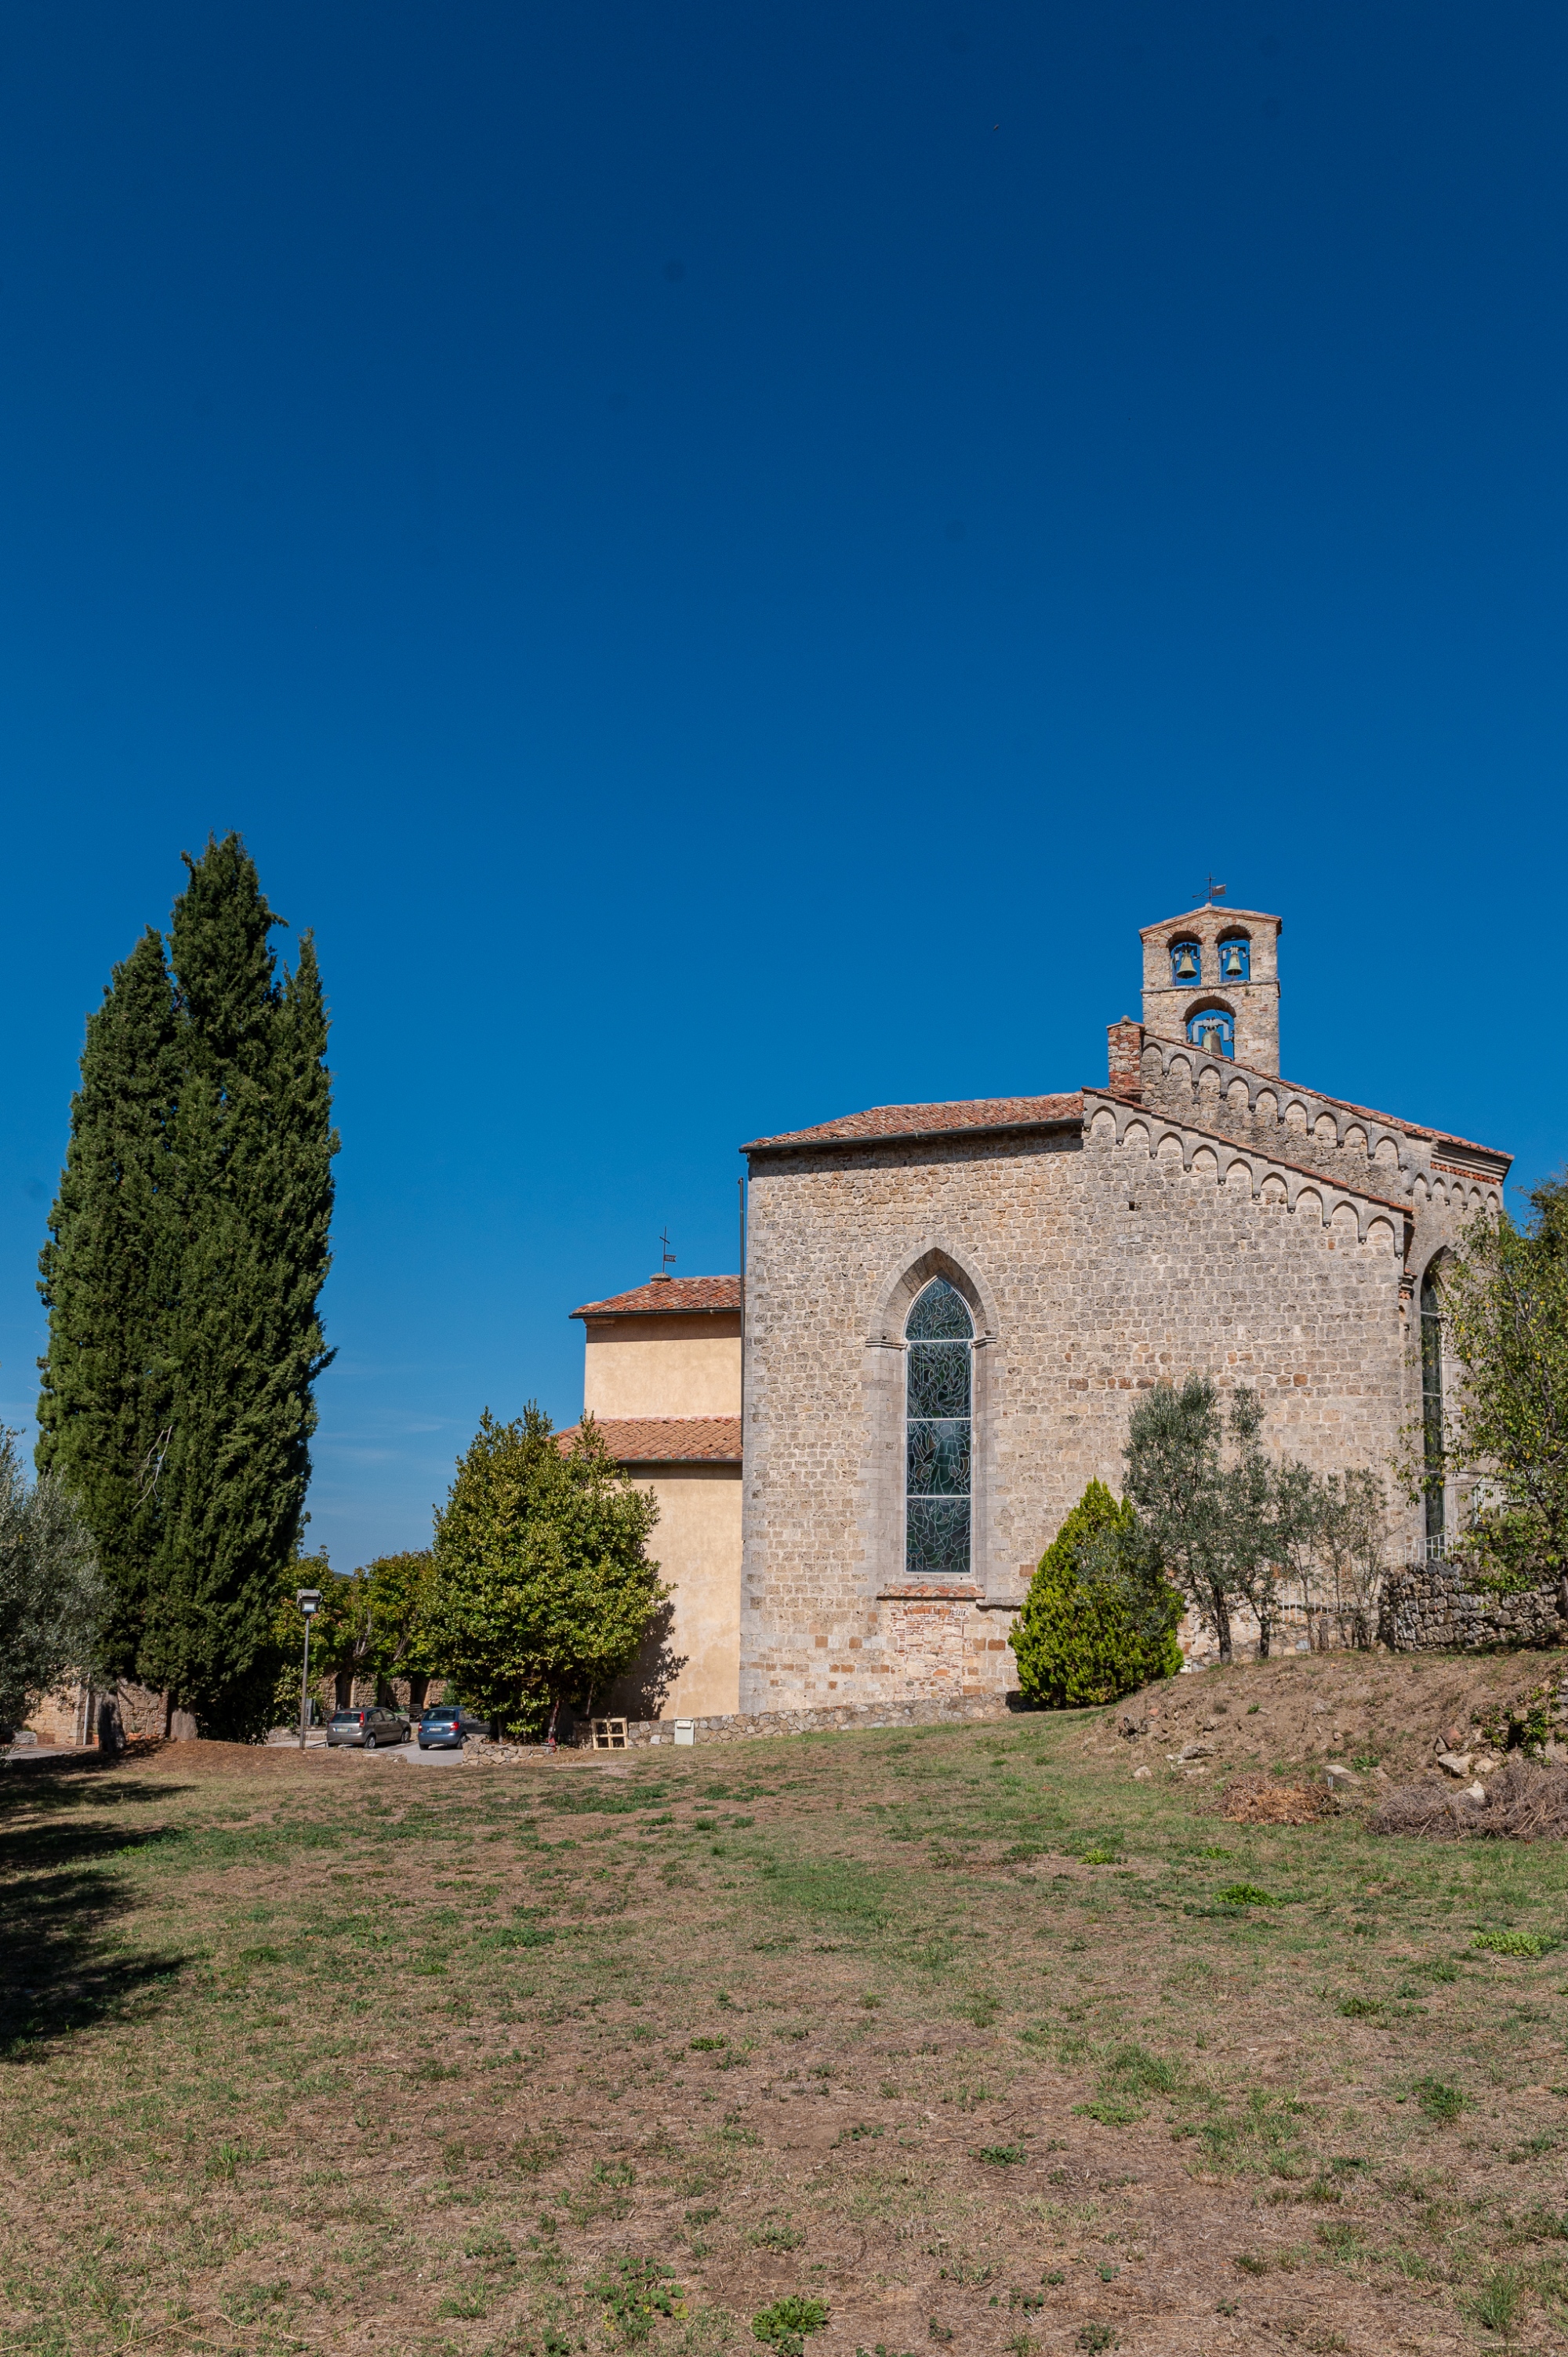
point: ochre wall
(697, 1544)
(662, 1366)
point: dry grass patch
(548, 2058)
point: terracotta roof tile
(668, 1297)
(667, 1440)
(892, 1122)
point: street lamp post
(309, 1602)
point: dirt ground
(971, 2036)
(1383, 1716)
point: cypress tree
(105, 1407)
(240, 1234)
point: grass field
(960, 2034)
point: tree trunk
(1222, 1624)
(1265, 1631)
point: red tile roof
(891, 1123)
(668, 1297)
(668, 1440)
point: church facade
(949, 1309)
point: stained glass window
(940, 1332)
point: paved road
(409, 1751)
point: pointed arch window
(1431, 1410)
(939, 1430)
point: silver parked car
(367, 1728)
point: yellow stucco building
(661, 1379)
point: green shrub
(784, 2326)
(1099, 1619)
(1513, 1943)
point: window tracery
(938, 1433)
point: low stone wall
(1426, 1609)
(735, 1726)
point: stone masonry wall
(1426, 1609)
(1097, 1265)
(1353, 1149)
(739, 1726)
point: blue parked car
(446, 1726)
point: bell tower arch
(1213, 977)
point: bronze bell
(1233, 960)
(1186, 965)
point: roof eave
(804, 1143)
(597, 1310)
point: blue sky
(726, 558)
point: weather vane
(669, 1259)
(1215, 892)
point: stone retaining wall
(734, 1727)
(1426, 1609)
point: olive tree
(51, 1597)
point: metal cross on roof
(1215, 892)
(669, 1258)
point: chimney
(1124, 1042)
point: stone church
(862, 1448)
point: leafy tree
(1271, 1516)
(540, 1589)
(326, 1631)
(1504, 1300)
(52, 1600)
(1348, 1526)
(1099, 1618)
(400, 1643)
(370, 1623)
(1174, 1480)
(1222, 1528)
(180, 1415)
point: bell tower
(1213, 977)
